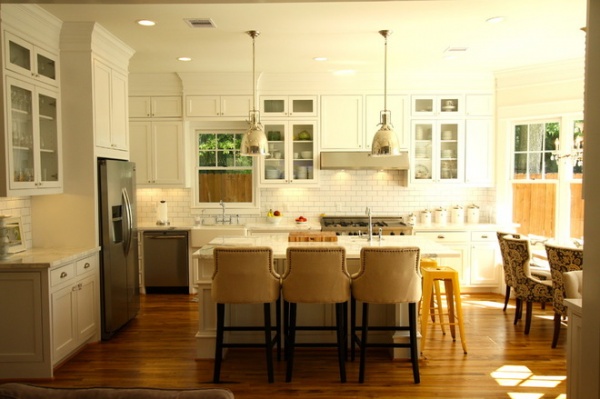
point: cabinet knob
(87, 265)
(484, 236)
(441, 236)
(63, 275)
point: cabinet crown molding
(27, 19)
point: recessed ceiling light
(320, 58)
(146, 22)
(495, 20)
(184, 59)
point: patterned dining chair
(561, 260)
(508, 277)
(528, 288)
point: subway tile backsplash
(19, 206)
(338, 193)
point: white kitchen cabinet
(29, 60)
(110, 110)
(218, 106)
(342, 125)
(288, 106)
(155, 107)
(33, 138)
(484, 269)
(75, 297)
(373, 106)
(479, 154)
(437, 151)
(458, 241)
(293, 153)
(157, 148)
(446, 106)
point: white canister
(426, 218)
(441, 216)
(457, 215)
(472, 215)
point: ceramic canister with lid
(473, 214)
(426, 217)
(441, 216)
(457, 215)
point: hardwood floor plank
(157, 349)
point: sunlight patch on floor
(522, 376)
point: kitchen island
(319, 313)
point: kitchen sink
(202, 235)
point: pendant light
(254, 141)
(385, 142)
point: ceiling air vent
(200, 22)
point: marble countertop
(44, 258)
(575, 304)
(464, 227)
(352, 244)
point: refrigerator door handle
(129, 223)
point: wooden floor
(157, 350)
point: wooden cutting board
(312, 236)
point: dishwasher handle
(165, 237)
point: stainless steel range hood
(363, 161)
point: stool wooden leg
(290, 341)
(341, 338)
(459, 313)
(219, 342)
(414, 356)
(268, 340)
(427, 289)
(363, 341)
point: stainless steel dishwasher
(166, 262)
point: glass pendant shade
(385, 142)
(254, 141)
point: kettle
(411, 220)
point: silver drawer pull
(484, 236)
(87, 265)
(441, 236)
(63, 275)
(74, 288)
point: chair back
(244, 275)
(562, 260)
(388, 275)
(519, 255)
(508, 277)
(573, 284)
(316, 275)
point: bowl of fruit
(274, 217)
(301, 220)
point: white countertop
(463, 227)
(352, 244)
(575, 304)
(38, 258)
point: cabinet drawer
(484, 236)
(62, 274)
(445, 236)
(87, 265)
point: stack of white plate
(420, 152)
(272, 173)
(302, 172)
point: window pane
(226, 185)
(207, 158)
(578, 147)
(535, 166)
(521, 132)
(536, 137)
(520, 166)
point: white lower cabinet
(477, 264)
(74, 305)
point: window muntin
(534, 145)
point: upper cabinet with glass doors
(34, 157)
(29, 60)
(442, 105)
(438, 151)
(288, 106)
(292, 153)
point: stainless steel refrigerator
(119, 276)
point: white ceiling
(292, 33)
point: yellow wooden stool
(436, 300)
(431, 278)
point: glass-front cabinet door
(34, 156)
(443, 105)
(292, 154)
(438, 151)
(295, 106)
(31, 61)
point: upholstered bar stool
(452, 286)
(245, 275)
(387, 275)
(316, 275)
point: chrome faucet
(368, 212)
(223, 215)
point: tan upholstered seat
(573, 284)
(528, 288)
(561, 260)
(245, 275)
(316, 275)
(387, 275)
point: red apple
(277, 213)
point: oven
(359, 225)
